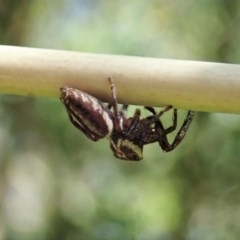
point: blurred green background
(57, 184)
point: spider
(127, 136)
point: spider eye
(126, 150)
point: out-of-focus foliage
(56, 184)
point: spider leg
(122, 115)
(167, 108)
(182, 131)
(155, 117)
(152, 110)
(151, 135)
(124, 108)
(163, 142)
(109, 106)
(133, 122)
(174, 126)
(113, 103)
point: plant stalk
(199, 86)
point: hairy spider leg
(174, 126)
(162, 133)
(148, 125)
(133, 122)
(113, 103)
(124, 108)
(121, 114)
(152, 110)
(183, 130)
(171, 128)
(167, 108)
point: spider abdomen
(88, 114)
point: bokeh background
(56, 184)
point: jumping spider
(127, 135)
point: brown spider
(127, 135)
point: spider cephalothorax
(127, 136)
